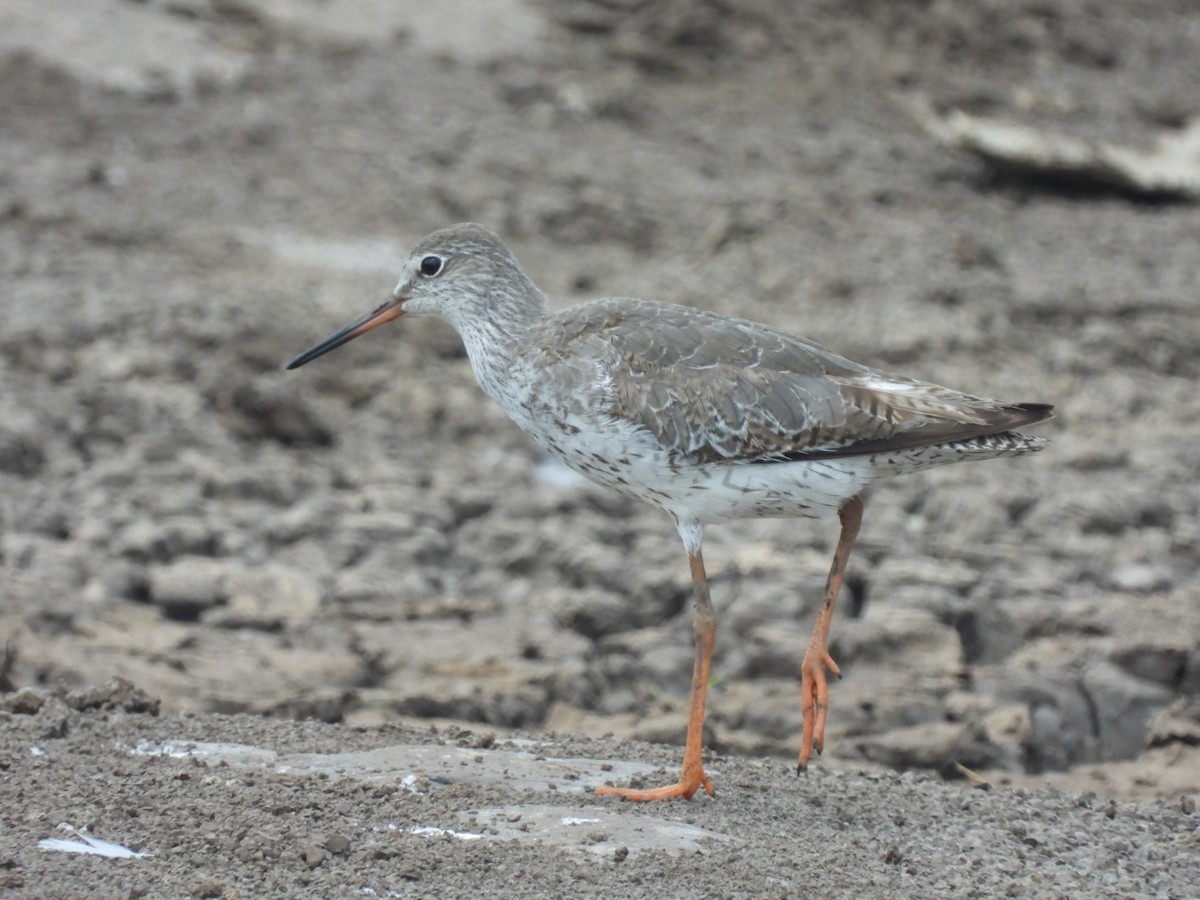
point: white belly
(630, 461)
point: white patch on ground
(413, 766)
(430, 831)
(88, 844)
(603, 831)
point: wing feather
(711, 388)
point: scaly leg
(704, 628)
(814, 692)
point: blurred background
(193, 191)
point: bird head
(463, 274)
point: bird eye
(431, 265)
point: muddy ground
(193, 192)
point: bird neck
(495, 339)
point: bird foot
(814, 701)
(689, 783)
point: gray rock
(1141, 579)
(889, 635)
(26, 701)
(1062, 732)
(267, 597)
(1006, 731)
(388, 583)
(22, 450)
(117, 579)
(265, 409)
(1158, 663)
(1122, 706)
(773, 651)
(188, 586)
(56, 566)
(595, 613)
(160, 540)
(932, 745)
(1190, 685)
(117, 693)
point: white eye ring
(431, 265)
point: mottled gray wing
(710, 388)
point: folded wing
(710, 389)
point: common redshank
(707, 417)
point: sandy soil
(192, 192)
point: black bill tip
(385, 312)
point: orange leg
(814, 692)
(704, 627)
